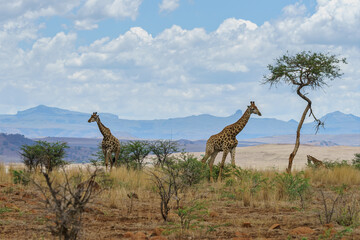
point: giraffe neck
(104, 130)
(240, 124)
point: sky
(158, 59)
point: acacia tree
(45, 154)
(162, 150)
(303, 71)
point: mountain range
(44, 121)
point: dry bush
(66, 201)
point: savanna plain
(255, 200)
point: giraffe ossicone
(225, 141)
(110, 144)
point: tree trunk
(297, 143)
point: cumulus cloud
(85, 24)
(180, 71)
(168, 5)
(32, 9)
(96, 10)
(85, 13)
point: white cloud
(296, 9)
(335, 21)
(96, 10)
(235, 26)
(32, 9)
(85, 13)
(85, 24)
(178, 72)
(168, 5)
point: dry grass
(4, 177)
(338, 176)
(228, 205)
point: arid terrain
(267, 212)
(276, 156)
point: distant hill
(43, 121)
(10, 146)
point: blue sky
(189, 14)
(144, 59)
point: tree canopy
(304, 69)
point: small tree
(45, 154)
(305, 69)
(162, 150)
(137, 152)
(31, 155)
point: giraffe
(226, 140)
(110, 144)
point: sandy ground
(277, 155)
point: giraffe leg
(205, 158)
(106, 160)
(226, 151)
(208, 153)
(211, 163)
(233, 156)
(111, 160)
(117, 153)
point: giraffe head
(253, 108)
(94, 117)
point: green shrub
(192, 170)
(191, 215)
(20, 177)
(44, 154)
(292, 187)
(335, 164)
(226, 172)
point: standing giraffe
(226, 140)
(110, 144)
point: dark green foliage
(227, 170)
(20, 177)
(132, 155)
(44, 154)
(136, 152)
(304, 69)
(192, 170)
(31, 155)
(162, 149)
